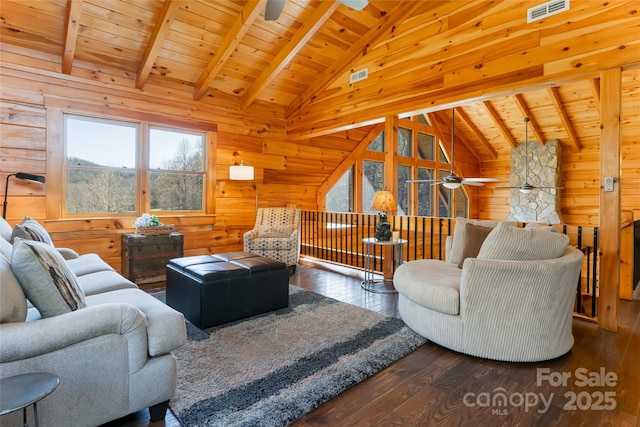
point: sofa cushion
(103, 281)
(6, 249)
(45, 278)
(513, 243)
(460, 236)
(30, 229)
(166, 328)
(87, 264)
(430, 283)
(5, 229)
(473, 242)
(13, 303)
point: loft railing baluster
(595, 280)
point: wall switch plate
(608, 183)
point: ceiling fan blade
(420, 180)
(355, 4)
(273, 9)
(474, 183)
(482, 179)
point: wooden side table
(21, 391)
(390, 263)
(145, 258)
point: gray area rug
(271, 369)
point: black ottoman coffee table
(214, 289)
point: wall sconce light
(241, 172)
(23, 176)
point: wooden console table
(145, 258)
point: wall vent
(549, 8)
(358, 75)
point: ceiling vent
(358, 75)
(549, 8)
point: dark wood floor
(433, 386)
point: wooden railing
(337, 238)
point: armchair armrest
(68, 253)
(251, 235)
(30, 339)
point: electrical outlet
(608, 183)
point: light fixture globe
(526, 188)
(452, 185)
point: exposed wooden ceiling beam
(444, 133)
(74, 10)
(595, 89)
(522, 105)
(163, 24)
(310, 26)
(564, 117)
(487, 146)
(386, 24)
(228, 44)
(498, 121)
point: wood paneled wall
(288, 171)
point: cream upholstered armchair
(276, 235)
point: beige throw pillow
(475, 236)
(513, 243)
(275, 231)
(30, 229)
(45, 278)
(460, 236)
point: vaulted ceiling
(421, 56)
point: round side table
(370, 283)
(20, 391)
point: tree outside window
(104, 166)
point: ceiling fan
(453, 181)
(274, 7)
(525, 187)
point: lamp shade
(241, 172)
(384, 201)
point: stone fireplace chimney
(543, 169)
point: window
(444, 197)
(404, 174)
(100, 165)
(340, 197)
(176, 165)
(373, 180)
(426, 144)
(405, 139)
(424, 192)
(377, 144)
(105, 169)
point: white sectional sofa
(510, 297)
(111, 346)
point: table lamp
(383, 202)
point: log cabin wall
(295, 169)
(461, 54)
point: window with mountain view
(108, 163)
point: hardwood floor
(434, 386)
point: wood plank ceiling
(227, 48)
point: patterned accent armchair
(276, 235)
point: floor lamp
(243, 172)
(23, 176)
